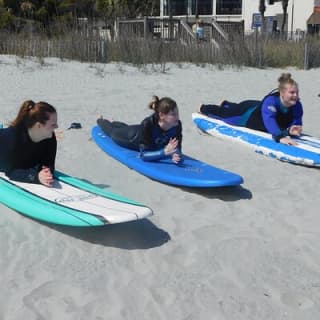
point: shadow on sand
(222, 193)
(141, 234)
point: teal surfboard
(70, 201)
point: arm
(295, 128)
(48, 154)
(37, 167)
(24, 175)
(156, 146)
(8, 138)
(179, 136)
(152, 155)
(171, 150)
(146, 152)
(269, 113)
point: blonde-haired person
(28, 146)
(158, 136)
(279, 113)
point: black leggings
(127, 136)
(228, 109)
(235, 113)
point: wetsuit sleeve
(147, 126)
(24, 175)
(156, 155)
(153, 155)
(179, 136)
(160, 154)
(48, 150)
(7, 137)
(269, 115)
(49, 155)
(297, 115)
(146, 152)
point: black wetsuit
(147, 137)
(268, 115)
(21, 158)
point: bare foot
(222, 103)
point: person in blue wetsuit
(158, 136)
(28, 146)
(279, 113)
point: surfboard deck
(191, 173)
(70, 201)
(306, 152)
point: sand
(249, 252)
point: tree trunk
(262, 9)
(284, 10)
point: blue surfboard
(191, 173)
(306, 152)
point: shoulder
(298, 105)
(51, 141)
(8, 135)
(271, 103)
(271, 98)
(149, 121)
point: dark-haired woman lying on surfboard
(279, 113)
(158, 136)
(28, 146)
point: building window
(178, 7)
(182, 7)
(229, 7)
(204, 7)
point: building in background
(314, 20)
(246, 11)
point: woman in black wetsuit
(28, 146)
(158, 136)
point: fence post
(145, 28)
(259, 48)
(306, 56)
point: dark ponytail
(30, 113)
(163, 105)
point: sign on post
(256, 20)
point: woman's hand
(176, 157)
(171, 147)
(288, 140)
(295, 130)
(45, 176)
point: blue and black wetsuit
(268, 115)
(147, 137)
(21, 159)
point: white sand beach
(243, 253)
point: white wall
(302, 9)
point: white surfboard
(306, 152)
(70, 201)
